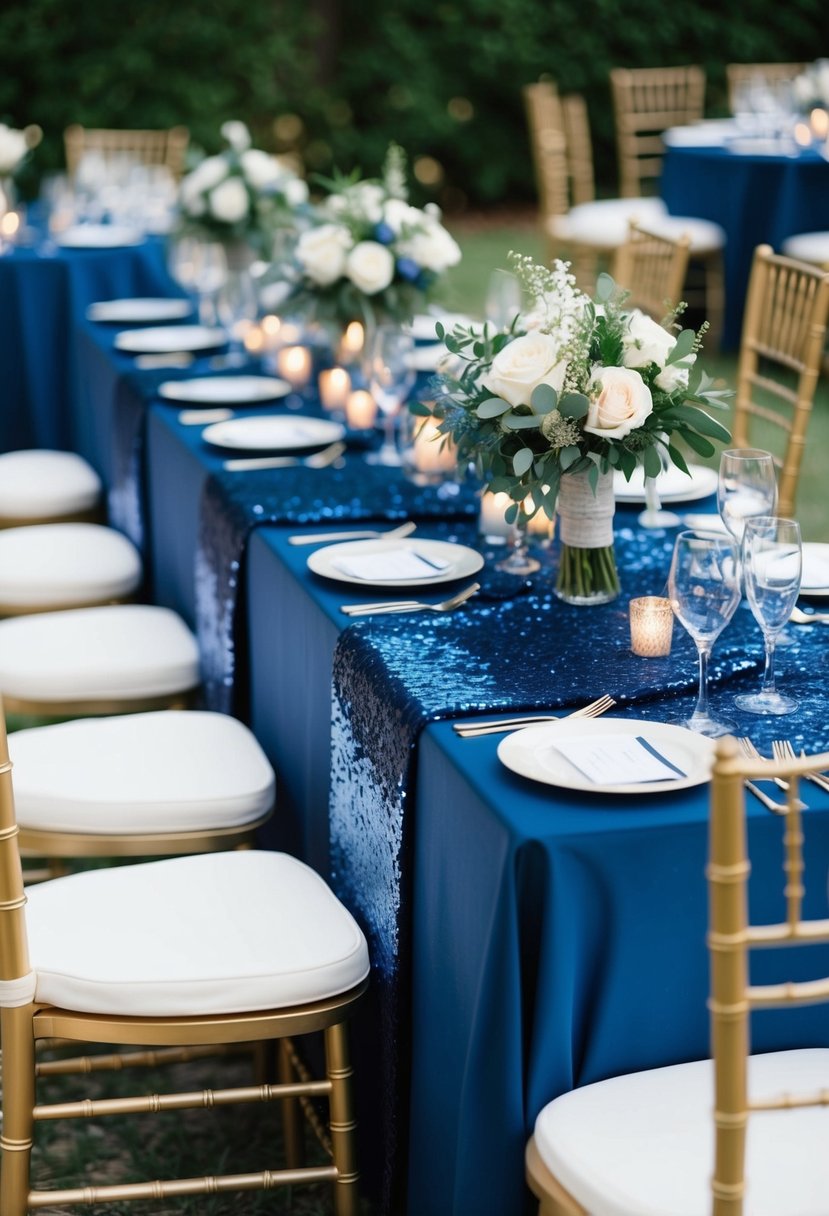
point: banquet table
(44, 292)
(760, 196)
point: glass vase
(587, 564)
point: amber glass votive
(651, 626)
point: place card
(618, 759)
(391, 565)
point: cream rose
(646, 342)
(321, 252)
(432, 247)
(370, 266)
(259, 168)
(675, 376)
(13, 147)
(206, 175)
(229, 201)
(522, 366)
(620, 401)
(295, 191)
(236, 134)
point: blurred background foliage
(332, 81)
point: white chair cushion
(706, 237)
(808, 247)
(604, 224)
(214, 933)
(643, 1144)
(37, 484)
(120, 650)
(168, 771)
(51, 565)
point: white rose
(13, 147)
(229, 202)
(260, 169)
(673, 376)
(370, 266)
(236, 134)
(522, 366)
(322, 251)
(432, 247)
(295, 191)
(396, 213)
(206, 175)
(646, 342)
(620, 401)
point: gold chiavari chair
(741, 76)
(646, 101)
(39, 486)
(745, 1135)
(781, 350)
(227, 948)
(652, 270)
(166, 147)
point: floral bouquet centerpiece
(242, 196)
(14, 148)
(811, 87)
(366, 254)
(574, 390)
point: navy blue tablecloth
(756, 199)
(44, 292)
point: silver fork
(783, 750)
(390, 607)
(799, 617)
(317, 538)
(495, 726)
(319, 460)
(751, 752)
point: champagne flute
(747, 486)
(772, 562)
(390, 374)
(503, 299)
(704, 590)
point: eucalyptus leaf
(605, 288)
(651, 462)
(511, 513)
(573, 405)
(543, 399)
(492, 407)
(568, 457)
(522, 461)
(678, 459)
(521, 422)
(702, 446)
(684, 346)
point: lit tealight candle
(9, 224)
(538, 524)
(491, 521)
(360, 410)
(352, 342)
(819, 122)
(651, 626)
(254, 340)
(802, 134)
(335, 385)
(294, 363)
(431, 451)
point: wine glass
(747, 486)
(237, 306)
(390, 374)
(772, 560)
(704, 590)
(503, 299)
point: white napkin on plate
(618, 759)
(391, 564)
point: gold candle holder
(651, 626)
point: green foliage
(443, 80)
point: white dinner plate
(168, 338)
(272, 433)
(99, 236)
(673, 485)
(422, 327)
(815, 578)
(711, 133)
(224, 390)
(426, 358)
(461, 561)
(539, 752)
(139, 310)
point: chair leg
(291, 1115)
(343, 1126)
(18, 1110)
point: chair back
(162, 147)
(551, 173)
(741, 78)
(731, 936)
(784, 331)
(646, 102)
(652, 269)
(579, 148)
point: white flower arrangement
(13, 147)
(367, 253)
(242, 193)
(811, 87)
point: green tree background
(335, 80)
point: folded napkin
(617, 759)
(391, 564)
(815, 570)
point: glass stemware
(518, 560)
(704, 590)
(237, 307)
(503, 299)
(390, 374)
(772, 562)
(747, 486)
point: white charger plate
(224, 390)
(169, 338)
(462, 561)
(272, 433)
(815, 563)
(673, 485)
(533, 752)
(139, 310)
(99, 236)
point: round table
(758, 196)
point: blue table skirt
(42, 298)
(756, 199)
